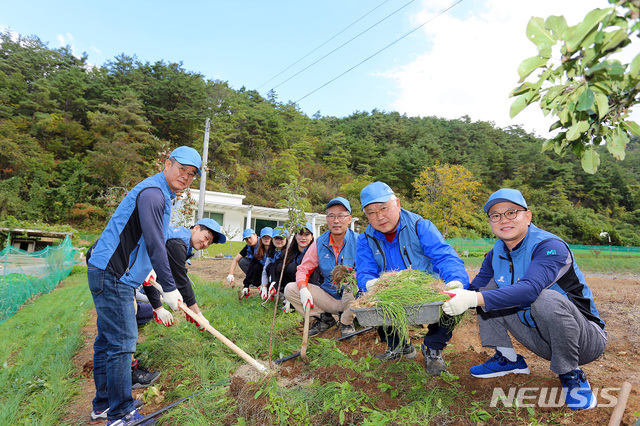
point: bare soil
(617, 299)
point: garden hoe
(305, 335)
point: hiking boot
(321, 324)
(433, 361)
(498, 366)
(346, 329)
(408, 351)
(102, 415)
(141, 377)
(130, 419)
(578, 395)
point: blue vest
(572, 284)
(122, 244)
(406, 246)
(250, 250)
(184, 234)
(327, 260)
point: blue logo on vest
(551, 252)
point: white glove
(306, 297)
(230, 278)
(245, 292)
(286, 308)
(141, 297)
(272, 291)
(460, 302)
(172, 298)
(264, 292)
(451, 285)
(371, 283)
(199, 320)
(162, 316)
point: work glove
(264, 292)
(172, 298)
(199, 320)
(272, 291)
(162, 316)
(141, 297)
(306, 298)
(230, 278)
(371, 283)
(286, 308)
(246, 292)
(451, 285)
(460, 301)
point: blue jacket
(183, 234)
(135, 235)
(510, 267)
(327, 260)
(417, 245)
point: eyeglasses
(340, 216)
(509, 214)
(381, 212)
(185, 171)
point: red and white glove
(230, 278)
(199, 320)
(306, 298)
(246, 292)
(172, 298)
(264, 292)
(460, 301)
(272, 291)
(451, 285)
(162, 316)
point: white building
(235, 217)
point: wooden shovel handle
(305, 335)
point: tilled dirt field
(617, 299)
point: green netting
(25, 274)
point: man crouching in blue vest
(135, 234)
(530, 285)
(397, 239)
(335, 247)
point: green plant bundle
(398, 292)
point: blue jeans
(115, 344)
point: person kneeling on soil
(272, 270)
(180, 244)
(395, 240)
(530, 285)
(246, 255)
(335, 247)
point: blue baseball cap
(309, 227)
(376, 192)
(505, 195)
(214, 227)
(187, 156)
(279, 232)
(266, 232)
(247, 233)
(338, 201)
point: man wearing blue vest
(134, 234)
(397, 239)
(335, 247)
(530, 286)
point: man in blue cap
(135, 234)
(180, 244)
(397, 239)
(529, 285)
(246, 255)
(335, 247)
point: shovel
(305, 335)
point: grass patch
(39, 342)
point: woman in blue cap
(295, 253)
(273, 266)
(254, 273)
(246, 255)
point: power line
(344, 44)
(336, 35)
(443, 11)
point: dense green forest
(72, 133)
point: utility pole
(203, 177)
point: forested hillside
(72, 132)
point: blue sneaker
(578, 395)
(499, 366)
(130, 419)
(102, 415)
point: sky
(443, 58)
